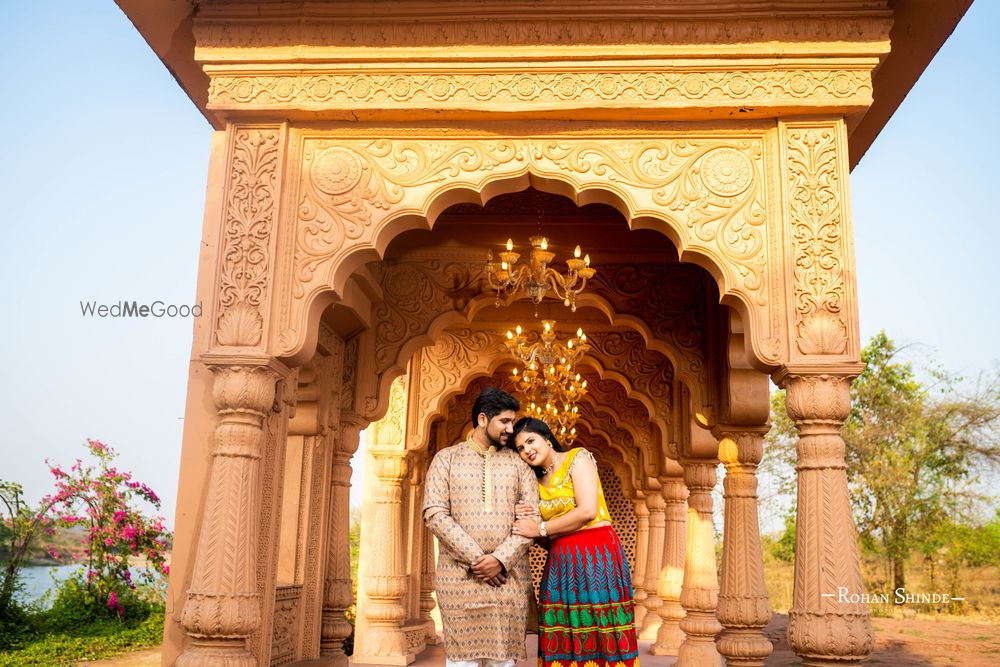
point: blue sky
(103, 183)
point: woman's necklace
(552, 466)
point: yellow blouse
(557, 497)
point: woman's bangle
(541, 530)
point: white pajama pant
(485, 662)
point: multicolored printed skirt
(586, 614)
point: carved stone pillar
(223, 607)
(337, 594)
(641, 547)
(427, 587)
(700, 593)
(670, 637)
(385, 641)
(654, 558)
(743, 606)
(824, 628)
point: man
(483, 579)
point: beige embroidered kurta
(469, 503)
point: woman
(586, 614)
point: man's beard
(495, 441)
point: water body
(36, 580)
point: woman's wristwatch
(541, 530)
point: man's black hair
(491, 402)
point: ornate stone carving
(442, 367)
(743, 606)
(251, 201)
(646, 370)
(416, 293)
(633, 412)
(389, 429)
(680, 87)
(223, 604)
(822, 628)
(428, 572)
(217, 34)
(673, 301)
(286, 619)
(603, 417)
(700, 592)
(349, 379)
(818, 226)
(708, 192)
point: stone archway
(306, 202)
(400, 326)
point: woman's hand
(524, 511)
(527, 527)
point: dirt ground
(899, 642)
(910, 642)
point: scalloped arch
(656, 182)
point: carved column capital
(391, 466)
(818, 396)
(641, 511)
(351, 425)
(655, 506)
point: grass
(95, 640)
(980, 587)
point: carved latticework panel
(286, 620)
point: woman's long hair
(538, 427)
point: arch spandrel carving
(444, 368)
(646, 371)
(619, 438)
(706, 192)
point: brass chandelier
(550, 382)
(536, 278)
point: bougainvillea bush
(114, 602)
(105, 502)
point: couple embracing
(486, 500)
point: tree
(19, 527)
(912, 451)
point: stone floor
(434, 656)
